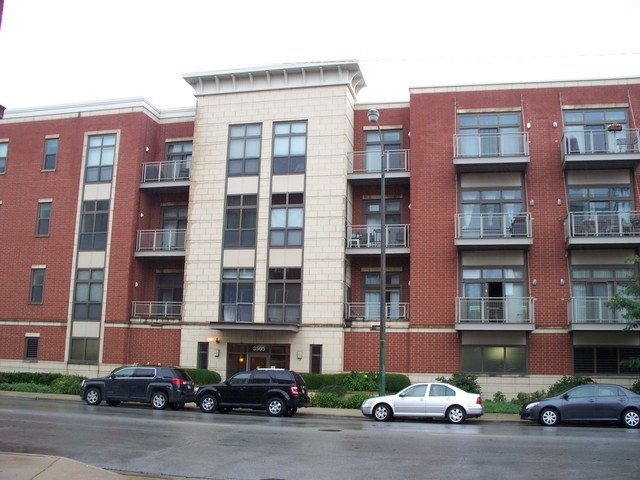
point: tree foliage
(627, 300)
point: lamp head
(373, 115)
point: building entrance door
(257, 361)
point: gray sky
(65, 51)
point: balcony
(493, 231)
(593, 314)
(495, 152)
(600, 149)
(494, 313)
(364, 167)
(365, 239)
(602, 229)
(160, 243)
(368, 314)
(163, 175)
(156, 310)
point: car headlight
(529, 406)
(82, 384)
(368, 402)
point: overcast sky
(65, 51)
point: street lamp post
(374, 117)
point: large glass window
(44, 217)
(87, 302)
(240, 221)
(244, 149)
(490, 135)
(591, 288)
(94, 224)
(287, 219)
(396, 235)
(602, 209)
(174, 227)
(100, 157)
(493, 359)
(37, 285)
(284, 297)
(595, 130)
(604, 360)
(490, 212)
(392, 293)
(4, 148)
(50, 154)
(84, 350)
(493, 294)
(237, 294)
(289, 147)
(178, 160)
(392, 146)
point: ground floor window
(315, 361)
(243, 357)
(31, 348)
(203, 355)
(603, 360)
(84, 350)
(493, 359)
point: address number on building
(258, 348)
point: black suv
(278, 391)
(158, 385)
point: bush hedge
(355, 381)
(201, 376)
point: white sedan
(432, 400)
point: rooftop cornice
(276, 77)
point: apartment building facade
(247, 232)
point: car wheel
(456, 414)
(113, 403)
(290, 412)
(275, 407)
(176, 406)
(93, 396)
(208, 403)
(159, 400)
(549, 417)
(382, 412)
(630, 418)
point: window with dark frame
(31, 348)
(4, 148)
(236, 292)
(84, 350)
(588, 131)
(490, 134)
(489, 212)
(392, 146)
(240, 221)
(244, 149)
(94, 225)
(287, 220)
(36, 294)
(604, 360)
(284, 295)
(50, 154)
(315, 359)
(493, 359)
(44, 217)
(101, 153)
(178, 160)
(87, 302)
(203, 355)
(289, 147)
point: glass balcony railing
(370, 312)
(505, 310)
(475, 145)
(593, 310)
(368, 236)
(370, 162)
(172, 171)
(156, 309)
(167, 240)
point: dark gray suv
(278, 391)
(161, 386)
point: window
(94, 223)
(396, 234)
(591, 288)
(244, 149)
(284, 295)
(603, 209)
(84, 350)
(203, 355)
(100, 157)
(493, 359)
(289, 147)
(31, 348)
(493, 294)
(489, 212)
(36, 294)
(174, 227)
(4, 147)
(169, 289)
(44, 216)
(587, 131)
(416, 391)
(604, 360)
(50, 154)
(315, 361)
(392, 146)
(287, 217)
(441, 391)
(178, 160)
(392, 292)
(237, 295)
(489, 135)
(87, 303)
(240, 221)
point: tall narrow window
(284, 295)
(240, 221)
(4, 148)
(31, 348)
(94, 223)
(178, 163)
(244, 149)
(36, 294)
(315, 362)
(50, 154)
(44, 216)
(87, 303)
(100, 157)
(289, 147)
(237, 295)
(84, 349)
(203, 355)
(287, 218)
(394, 157)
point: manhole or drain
(329, 430)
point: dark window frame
(483, 368)
(101, 151)
(94, 225)
(240, 221)
(240, 138)
(36, 290)
(43, 219)
(292, 162)
(50, 156)
(237, 284)
(91, 280)
(31, 346)
(4, 154)
(602, 361)
(284, 295)
(292, 235)
(86, 346)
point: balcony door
(169, 292)
(174, 225)
(393, 219)
(372, 296)
(494, 295)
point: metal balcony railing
(172, 171)
(602, 224)
(370, 162)
(593, 310)
(594, 142)
(487, 225)
(161, 240)
(370, 312)
(470, 145)
(368, 236)
(156, 309)
(517, 310)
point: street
(252, 446)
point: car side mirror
(401, 395)
(566, 396)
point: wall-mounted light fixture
(559, 202)
(216, 352)
(146, 149)
(528, 124)
(534, 282)
(213, 339)
(562, 281)
(141, 214)
(531, 202)
(555, 124)
(135, 284)
(299, 355)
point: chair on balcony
(354, 241)
(627, 144)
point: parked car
(432, 400)
(586, 403)
(161, 386)
(278, 391)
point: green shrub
(500, 407)
(465, 381)
(29, 377)
(564, 384)
(394, 382)
(522, 397)
(25, 387)
(67, 384)
(636, 386)
(337, 389)
(326, 400)
(361, 381)
(499, 397)
(315, 381)
(354, 401)
(201, 376)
